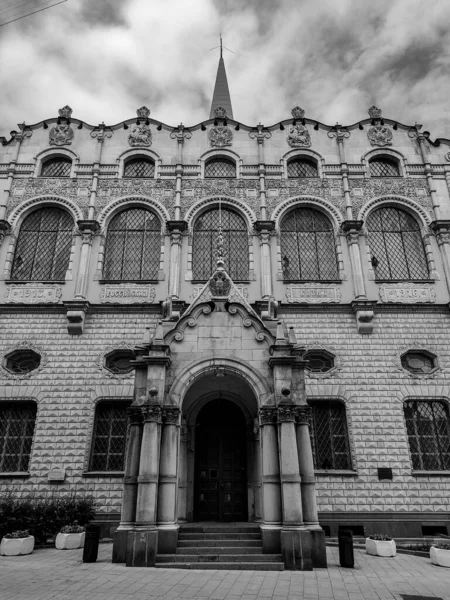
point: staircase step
(220, 550)
(218, 536)
(228, 558)
(231, 566)
(214, 542)
(219, 529)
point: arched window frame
(316, 204)
(232, 204)
(431, 400)
(300, 153)
(418, 214)
(49, 153)
(23, 211)
(111, 400)
(348, 430)
(228, 154)
(133, 153)
(31, 402)
(387, 153)
(103, 241)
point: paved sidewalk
(60, 574)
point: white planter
(69, 541)
(386, 548)
(14, 547)
(440, 557)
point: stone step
(228, 558)
(214, 542)
(218, 536)
(219, 529)
(220, 550)
(229, 566)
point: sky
(334, 58)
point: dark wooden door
(220, 482)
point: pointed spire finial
(221, 95)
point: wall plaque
(33, 293)
(127, 293)
(57, 475)
(314, 293)
(407, 293)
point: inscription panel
(314, 293)
(407, 293)
(127, 294)
(33, 293)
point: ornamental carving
(407, 293)
(286, 414)
(24, 345)
(143, 112)
(303, 414)
(161, 190)
(298, 136)
(134, 415)
(152, 413)
(220, 285)
(127, 293)
(76, 190)
(170, 415)
(100, 361)
(61, 135)
(267, 415)
(220, 136)
(33, 293)
(380, 135)
(140, 135)
(314, 293)
(297, 112)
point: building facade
(225, 322)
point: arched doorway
(220, 474)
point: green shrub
(43, 517)
(381, 537)
(17, 535)
(72, 528)
(442, 546)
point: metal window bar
(43, 246)
(307, 246)
(428, 429)
(110, 435)
(17, 421)
(382, 167)
(396, 244)
(56, 167)
(220, 167)
(301, 168)
(329, 436)
(204, 245)
(133, 246)
(139, 167)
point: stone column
(183, 473)
(130, 484)
(176, 229)
(441, 230)
(143, 541)
(264, 229)
(270, 470)
(168, 482)
(295, 538)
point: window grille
(428, 429)
(133, 246)
(21, 362)
(118, 362)
(204, 245)
(418, 362)
(110, 434)
(43, 246)
(329, 437)
(139, 167)
(56, 167)
(17, 421)
(319, 361)
(220, 167)
(300, 167)
(307, 246)
(383, 167)
(396, 244)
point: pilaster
(441, 230)
(264, 230)
(176, 229)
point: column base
(167, 540)
(142, 548)
(318, 548)
(271, 540)
(296, 549)
(119, 553)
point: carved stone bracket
(267, 415)
(352, 230)
(441, 230)
(365, 314)
(5, 228)
(180, 134)
(76, 313)
(260, 134)
(176, 226)
(170, 415)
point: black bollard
(91, 541)
(346, 556)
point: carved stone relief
(62, 133)
(298, 136)
(314, 293)
(77, 190)
(380, 135)
(127, 293)
(407, 293)
(33, 293)
(220, 135)
(329, 189)
(162, 190)
(192, 191)
(140, 135)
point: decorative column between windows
(441, 230)
(414, 133)
(260, 135)
(264, 230)
(100, 133)
(180, 134)
(176, 229)
(340, 134)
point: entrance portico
(219, 431)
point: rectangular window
(17, 422)
(329, 437)
(428, 429)
(110, 434)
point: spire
(221, 96)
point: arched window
(428, 429)
(384, 167)
(302, 167)
(133, 246)
(110, 434)
(17, 422)
(56, 167)
(43, 247)
(307, 246)
(204, 245)
(329, 436)
(220, 167)
(396, 245)
(139, 167)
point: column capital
(287, 413)
(351, 225)
(5, 228)
(267, 415)
(88, 225)
(176, 226)
(151, 413)
(134, 415)
(264, 226)
(441, 228)
(170, 415)
(303, 414)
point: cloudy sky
(334, 58)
